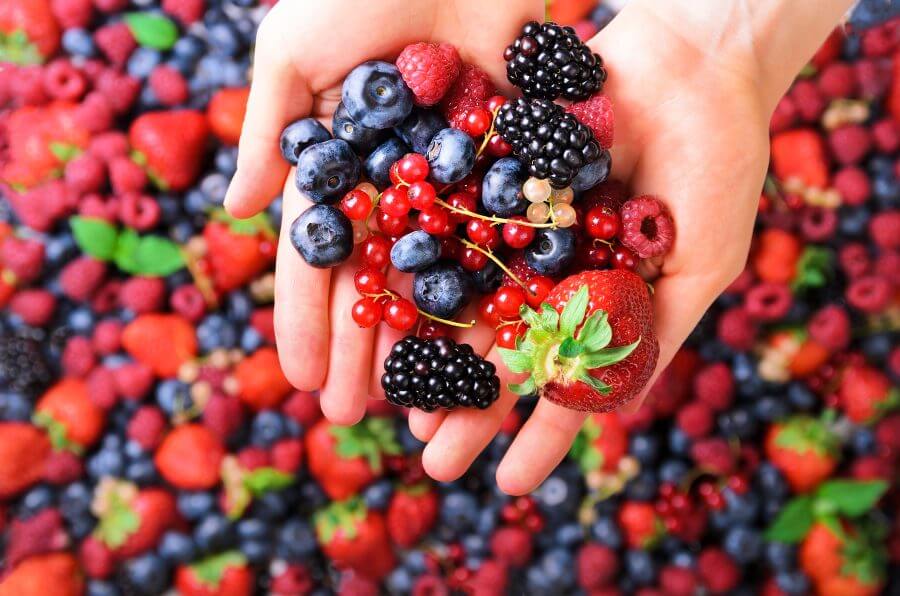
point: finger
(301, 305)
(423, 425)
(277, 95)
(346, 387)
(386, 336)
(466, 432)
(539, 447)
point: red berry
(497, 147)
(471, 185)
(472, 260)
(356, 204)
(400, 314)
(450, 247)
(376, 251)
(624, 259)
(495, 102)
(509, 300)
(390, 224)
(488, 311)
(483, 233)
(412, 167)
(538, 287)
(602, 223)
(433, 220)
(366, 312)
(598, 256)
(421, 195)
(507, 335)
(431, 329)
(517, 235)
(477, 122)
(369, 280)
(395, 202)
(463, 201)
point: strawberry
(29, 32)
(804, 449)
(800, 154)
(55, 574)
(162, 342)
(570, 12)
(225, 113)
(776, 255)
(411, 514)
(170, 146)
(223, 574)
(190, 457)
(642, 526)
(23, 451)
(841, 560)
(238, 250)
(345, 459)
(131, 520)
(355, 537)
(610, 358)
(601, 443)
(866, 394)
(241, 483)
(261, 382)
(72, 419)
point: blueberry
(224, 38)
(415, 251)
(79, 42)
(378, 165)
(488, 278)
(299, 135)
(270, 506)
(377, 496)
(738, 422)
(142, 62)
(251, 340)
(551, 251)
(106, 462)
(177, 548)
(771, 480)
(363, 139)
(801, 397)
(323, 236)
(75, 501)
(643, 486)
(420, 127)
(95, 587)
(459, 511)
(215, 331)
(145, 575)
(569, 534)
(450, 155)
(557, 565)
(640, 567)
(81, 321)
(673, 471)
(742, 508)
(560, 495)
(771, 409)
(256, 551)
(142, 471)
(780, 556)
(253, 529)
(214, 533)
(326, 171)
(793, 583)
(296, 540)
(35, 500)
(189, 47)
(863, 441)
(195, 505)
(592, 174)
(644, 446)
(376, 96)
(267, 427)
(443, 289)
(173, 396)
(679, 443)
(400, 581)
(226, 161)
(14, 406)
(501, 190)
(743, 544)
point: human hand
(693, 85)
(303, 52)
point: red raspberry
(35, 307)
(429, 69)
(287, 455)
(677, 581)
(512, 545)
(93, 205)
(85, 174)
(768, 301)
(695, 419)
(830, 326)
(73, 14)
(107, 336)
(110, 6)
(28, 86)
(647, 226)
(116, 42)
(143, 294)
(62, 467)
(95, 114)
(855, 260)
(884, 229)
(880, 41)
(713, 455)
(818, 224)
(63, 81)
(291, 579)
(140, 212)
(133, 380)
(81, 278)
(808, 99)
(223, 415)
(886, 134)
(471, 89)
(872, 467)
(870, 294)
(837, 80)
(887, 433)
(887, 265)
(874, 78)
(597, 114)
(736, 329)
(188, 301)
(102, 387)
(597, 565)
(169, 86)
(853, 185)
(78, 357)
(714, 386)
(784, 116)
(96, 558)
(125, 176)
(107, 297)
(263, 320)
(109, 145)
(303, 407)
(850, 143)
(718, 571)
(252, 458)
(186, 11)
(24, 257)
(147, 427)
(120, 89)
(40, 533)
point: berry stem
(491, 218)
(496, 261)
(446, 321)
(487, 136)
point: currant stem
(487, 136)
(496, 261)
(446, 321)
(492, 218)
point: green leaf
(158, 256)
(251, 226)
(573, 313)
(152, 30)
(64, 152)
(94, 236)
(549, 318)
(794, 521)
(16, 48)
(340, 515)
(530, 316)
(526, 387)
(263, 480)
(118, 523)
(369, 439)
(515, 360)
(210, 570)
(570, 348)
(126, 249)
(814, 267)
(609, 356)
(595, 383)
(851, 497)
(57, 433)
(584, 451)
(596, 332)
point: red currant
(495, 102)
(376, 251)
(356, 205)
(431, 329)
(507, 335)
(394, 201)
(599, 256)
(389, 224)
(518, 235)
(369, 280)
(464, 201)
(471, 184)
(602, 222)
(400, 314)
(421, 195)
(394, 173)
(478, 121)
(509, 299)
(433, 220)
(366, 312)
(482, 232)
(624, 259)
(488, 311)
(497, 147)
(538, 287)
(472, 260)
(413, 167)
(450, 247)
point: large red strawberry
(131, 520)
(55, 574)
(344, 459)
(866, 393)
(23, 451)
(223, 574)
(601, 443)
(170, 146)
(596, 350)
(225, 113)
(238, 250)
(355, 537)
(411, 514)
(162, 342)
(72, 419)
(29, 32)
(842, 560)
(800, 154)
(776, 255)
(261, 382)
(804, 449)
(190, 457)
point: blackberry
(552, 143)
(23, 367)
(438, 373)
(548, 61)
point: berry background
(148, 439)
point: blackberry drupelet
(548, 61)
(438, 373)
(552, 143)
(23, 367)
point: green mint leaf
(152, 30)
(573, 313)
(794, 521)
(851, 497)
(210, 570)
(570, 348)
(527, 387)
(263, 480)
(515, 360)
(94, 236)
(596, 332)
(125, 254)
(595, 383)
(158, 256)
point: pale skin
(692, 82)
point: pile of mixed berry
(150, 442)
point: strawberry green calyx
(242, 486)
(16, 48)
(804, 434)
(258, 224)
(57, 433)
(552, 350)
(583, 451)
(371, 439)
(814, 268)
(113, 506)
(209, 571)
(340, 516)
